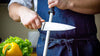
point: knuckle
(39, 25)
(35, 16)
(32, 28)
(26, 24)
(57, 2)
(48, 1)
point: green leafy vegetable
(24, 45)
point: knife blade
(52, 26)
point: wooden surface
(33, 54)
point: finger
(26, 26)
(42, 20)
(34, 24)
(38, 23)
(51, 1)
(52, 5)
(30, 26)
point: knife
(52, 26)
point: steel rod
(47, 37)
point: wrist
(13, 11)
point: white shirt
(27, 3)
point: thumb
(42, 20)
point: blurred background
(10, 28)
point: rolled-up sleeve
(27, 3)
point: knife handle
(52, 11)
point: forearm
(29, 18)
(86, 6)
(13, 11)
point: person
(81, 41)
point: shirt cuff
(26, 3)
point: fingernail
(49, 7)
(42, 20)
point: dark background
(4, 1)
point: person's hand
(61, 4)
(30, 19)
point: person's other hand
(30, 19)
(61, 4)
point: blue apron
(81, 41)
